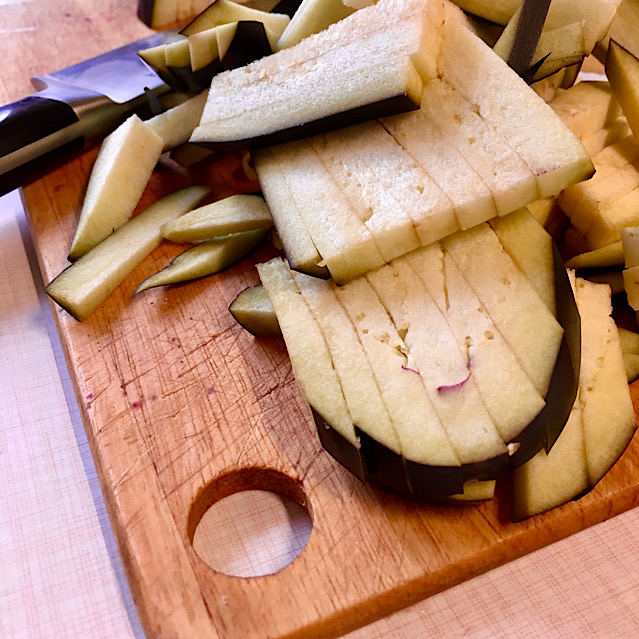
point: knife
(74, 107)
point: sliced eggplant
(253, 311)
(206, 259)
(89, 281)
(234, 214)
(314, 87)
(119, 176)
(224, 11)
(176, 125)
(394, 470)
(312, 16)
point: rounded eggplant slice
(389, 471)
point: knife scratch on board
(123, 477)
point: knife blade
(72, 108)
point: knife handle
(31, 119)
(35, 132)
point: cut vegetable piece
(360, 389)
(607, 256)
(607, 136)
(570, 31)
(511, 301)
(408, 27)
(401, 386)
(311, 17)
(506, 390)
(614, 280)
(629, 341)
(551, 479)
(345, 244)
(557, 48)
(253, 311)
(204, 51)
(608, 415)
(624, 30)
(309, 104)
(587, 107)
(500, 12)
(545, 144)
(475, 491)
(595, 17)
(158, 13)
(510, 181)
(313, 82)
(631, 286)
(611, 218)
(154, 57)
(119, 176)
(422, 140)
(598, 197)
(430, 210)
(84, 285)
(622, 69)
(619, 154)
(223, 12)
(176, 125)
(530, 247)
(207, 258)
(301, 252)
(629, 246)
(310, 358)
(241, 43)
(233, 214)
(177, 58)
(347, 157)
(435, 358)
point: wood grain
(176, 399)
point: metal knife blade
(120, 75)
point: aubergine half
(443, 366)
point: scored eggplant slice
(312, 87)
(392, 472)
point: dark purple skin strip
(531, 24)
(145, 11)
(289, 7)
(391, 106)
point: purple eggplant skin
(391, 106)
(288, 7)
(145, 11)
(250, 43)
(185, 80)
(382, 466)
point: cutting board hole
(250, 523)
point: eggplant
(388, 470)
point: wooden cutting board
(182, 408)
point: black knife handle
(40, 166)
(32, 119)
